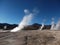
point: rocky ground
(30, 37)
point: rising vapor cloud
(52, 24)
(26, 11)
(57, 25)
(41, 28)
(25, 21)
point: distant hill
(8, 26)
(35, 26)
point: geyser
(52, 24)
(25, 21)
(5, 27)
(42, 25)
(57, 25)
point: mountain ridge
(34, 26)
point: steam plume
(25, 21)
(42, 25)
(5, 27)
(52, 24)
(26, 11)
(57, 25)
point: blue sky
(12, 11)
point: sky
(12, 11)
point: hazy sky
(12, 11)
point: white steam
(5, 27)
(57, 25)
(52, 24)
(25, 21)
(26, 11)
(42, 25)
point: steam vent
(30, 37)
(29, 22)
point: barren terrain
(30, 37)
